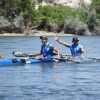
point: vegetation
(59, 13)
(45, 17)
(55, 16)
(12, 8)
(96, 6)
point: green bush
(56, 14)
(96, 6)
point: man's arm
(62, 42)
(57, 52)
(81, 50)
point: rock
(74, 24)
(18, 21)
(15, 26)
(4, 24)
(71, 3)
(97, 30)
(18, 24)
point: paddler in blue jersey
(47, 50)
(75, 48)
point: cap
(44, 37)
(75, 39)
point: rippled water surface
(49, 81)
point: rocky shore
(35, 33)
(17, 28)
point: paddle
(94, 59)
(21, 54)
(63, 58)
(33, 56)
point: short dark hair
(44, 37)
(75, 39)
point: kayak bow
(4, 62)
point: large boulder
(74, 24)
(97, 31)
(14, 26)
(4, 25)
(18, 24)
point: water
(49, 81)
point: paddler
(47, 50)
(75, 48)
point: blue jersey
(47, 51)
(75, 50)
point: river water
(49, 81)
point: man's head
(44, 39)
(75, 40)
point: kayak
(22, 61)
(10, 62)
(64, 58)
(18, 61)
(4, 62)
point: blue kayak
(9, 62)
(4, 62)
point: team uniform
(47, 51)
(76, 50)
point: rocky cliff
(71, 3)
